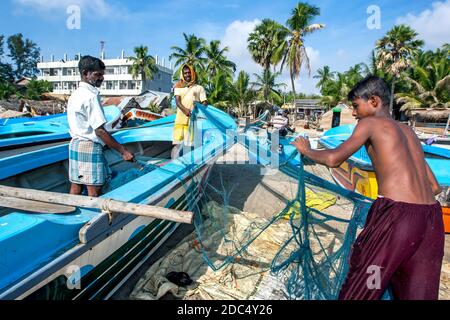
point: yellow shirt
(188, 96)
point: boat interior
(149, 155)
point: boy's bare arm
(335, 157)
(433, 181)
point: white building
(65, 77)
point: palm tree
(144, 65)
(394, 53)
(218, 89)
(325, 76)
(216, 60)
(293, 51)
(267, 86)
(337, 89)
(372, 68)
(354, 75)
(429, 78)
(264, 41)
(192, 54)
(241, 93)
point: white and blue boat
(357, 173)
(22, 132)
(84, 255)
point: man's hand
(302, 144)
(127, 155)
(187, 112)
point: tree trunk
(391, 103)
(293, 86)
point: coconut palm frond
(313, 27)
(412, 104)
(444, 83)
(418, 86)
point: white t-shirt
(85, 113)
(280, 122)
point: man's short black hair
(369, 87)
(90, 64)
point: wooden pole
(447, 125)
(108, 205)
(34, 206)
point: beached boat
(261, 120)
(357, 173)
(137, 117)
(30, 131)
(85, 255)
(435, 140)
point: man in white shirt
(87, 164)
(281, 123)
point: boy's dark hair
(369, 87)
(91, 64)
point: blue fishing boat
(260, 121)
(357, 173)
(30, 131)
(85, 254)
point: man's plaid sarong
(87, 164)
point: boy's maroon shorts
(401, 246)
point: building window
(132, 85)
(123, 85)
(109, 85)
(109, 71)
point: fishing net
(289, 223)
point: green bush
(35, 89)
(6, 90)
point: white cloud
(235, 39)
(97, 8)
(341, 53)
(433, 25)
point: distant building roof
(13, 114)
(307, 101)
(142, 101)
(22, 81)
(308, 104)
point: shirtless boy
(403, 236)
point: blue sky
(345, 41)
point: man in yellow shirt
(186, 92)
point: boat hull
(350, 177)
(357, 173)
(86, 245)
(33, 131)
(99, 270)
